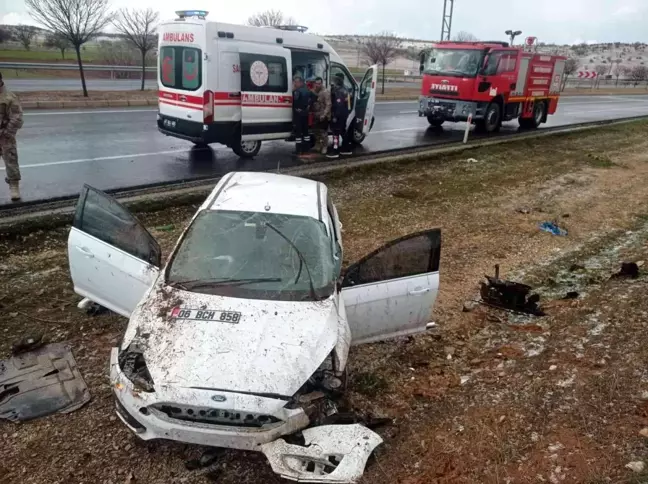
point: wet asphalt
(59, 151)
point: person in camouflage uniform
(322, 112)
(11, 120)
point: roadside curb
(52, 215)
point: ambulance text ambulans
(232, 84)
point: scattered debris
(644, 432)
(472, 160)
(524, 210)
(553, 368)
(553, 228)
(30, 343)
(469, 306)
(509, 295)
(332, 453)
(165, 228)
(576, 267)
(636, 466)
(41, 382)
(207, 459)
(572, 295)
(628, 269)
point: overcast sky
(560, 21)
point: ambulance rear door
(266, 91)
(181, 74)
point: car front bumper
(449, 109)
(141, 412)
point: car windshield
(255, 255)
(453, 62)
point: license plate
(206, 315)
(169, 123)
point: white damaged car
(243, 336)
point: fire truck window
(507, 63)
(263, 73)
(186, 60)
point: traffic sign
(531, 40)
(587, 75)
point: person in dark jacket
(340, 108)
(302, 102)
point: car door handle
(85, 252)
(416, 292)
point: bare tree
(76, 20)
(57, 41)
(601, 70)
(381, 49)
(138, 28)
(639, 74)
(5, 35)
(571, 66)
(464, 36)
(25, 34)
(618, 71)
(270, 18)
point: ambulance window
(263, 73)
(348, 83)
(181, 67)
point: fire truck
(232, 84)
(488, 83)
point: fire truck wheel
(247, 149)
(492, 121)
(539, 110)
(435, 122)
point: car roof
(268, 192)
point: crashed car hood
(274, 348)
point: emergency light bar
(192, 13)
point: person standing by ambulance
(322, 112)
(302, 102)
(11, 120)
(339, 113)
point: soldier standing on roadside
(322, 111)
(11, 120)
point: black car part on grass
(41, 382)
(508, 295)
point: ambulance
(232, 84)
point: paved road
(32, 85)
(59, 151)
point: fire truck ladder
(446, 22)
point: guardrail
(71, 67)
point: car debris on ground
(508, 295)
(40, 380)
(628, 269)
(553, 228)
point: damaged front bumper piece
(330, 454)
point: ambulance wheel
(247, 149)
(435, 122)
(358, 138)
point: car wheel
(247, 149)
(435, 122)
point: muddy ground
(490, 397)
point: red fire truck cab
(490, 81)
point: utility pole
(446, 25)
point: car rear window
(181, 67)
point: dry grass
(497, 410)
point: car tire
(435, 122)
(247, 149)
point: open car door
(391, 292)
(367, 100)
(113, 259)
(266, 91)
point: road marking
(408, 112)
(102, 158)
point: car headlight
(132, 364)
